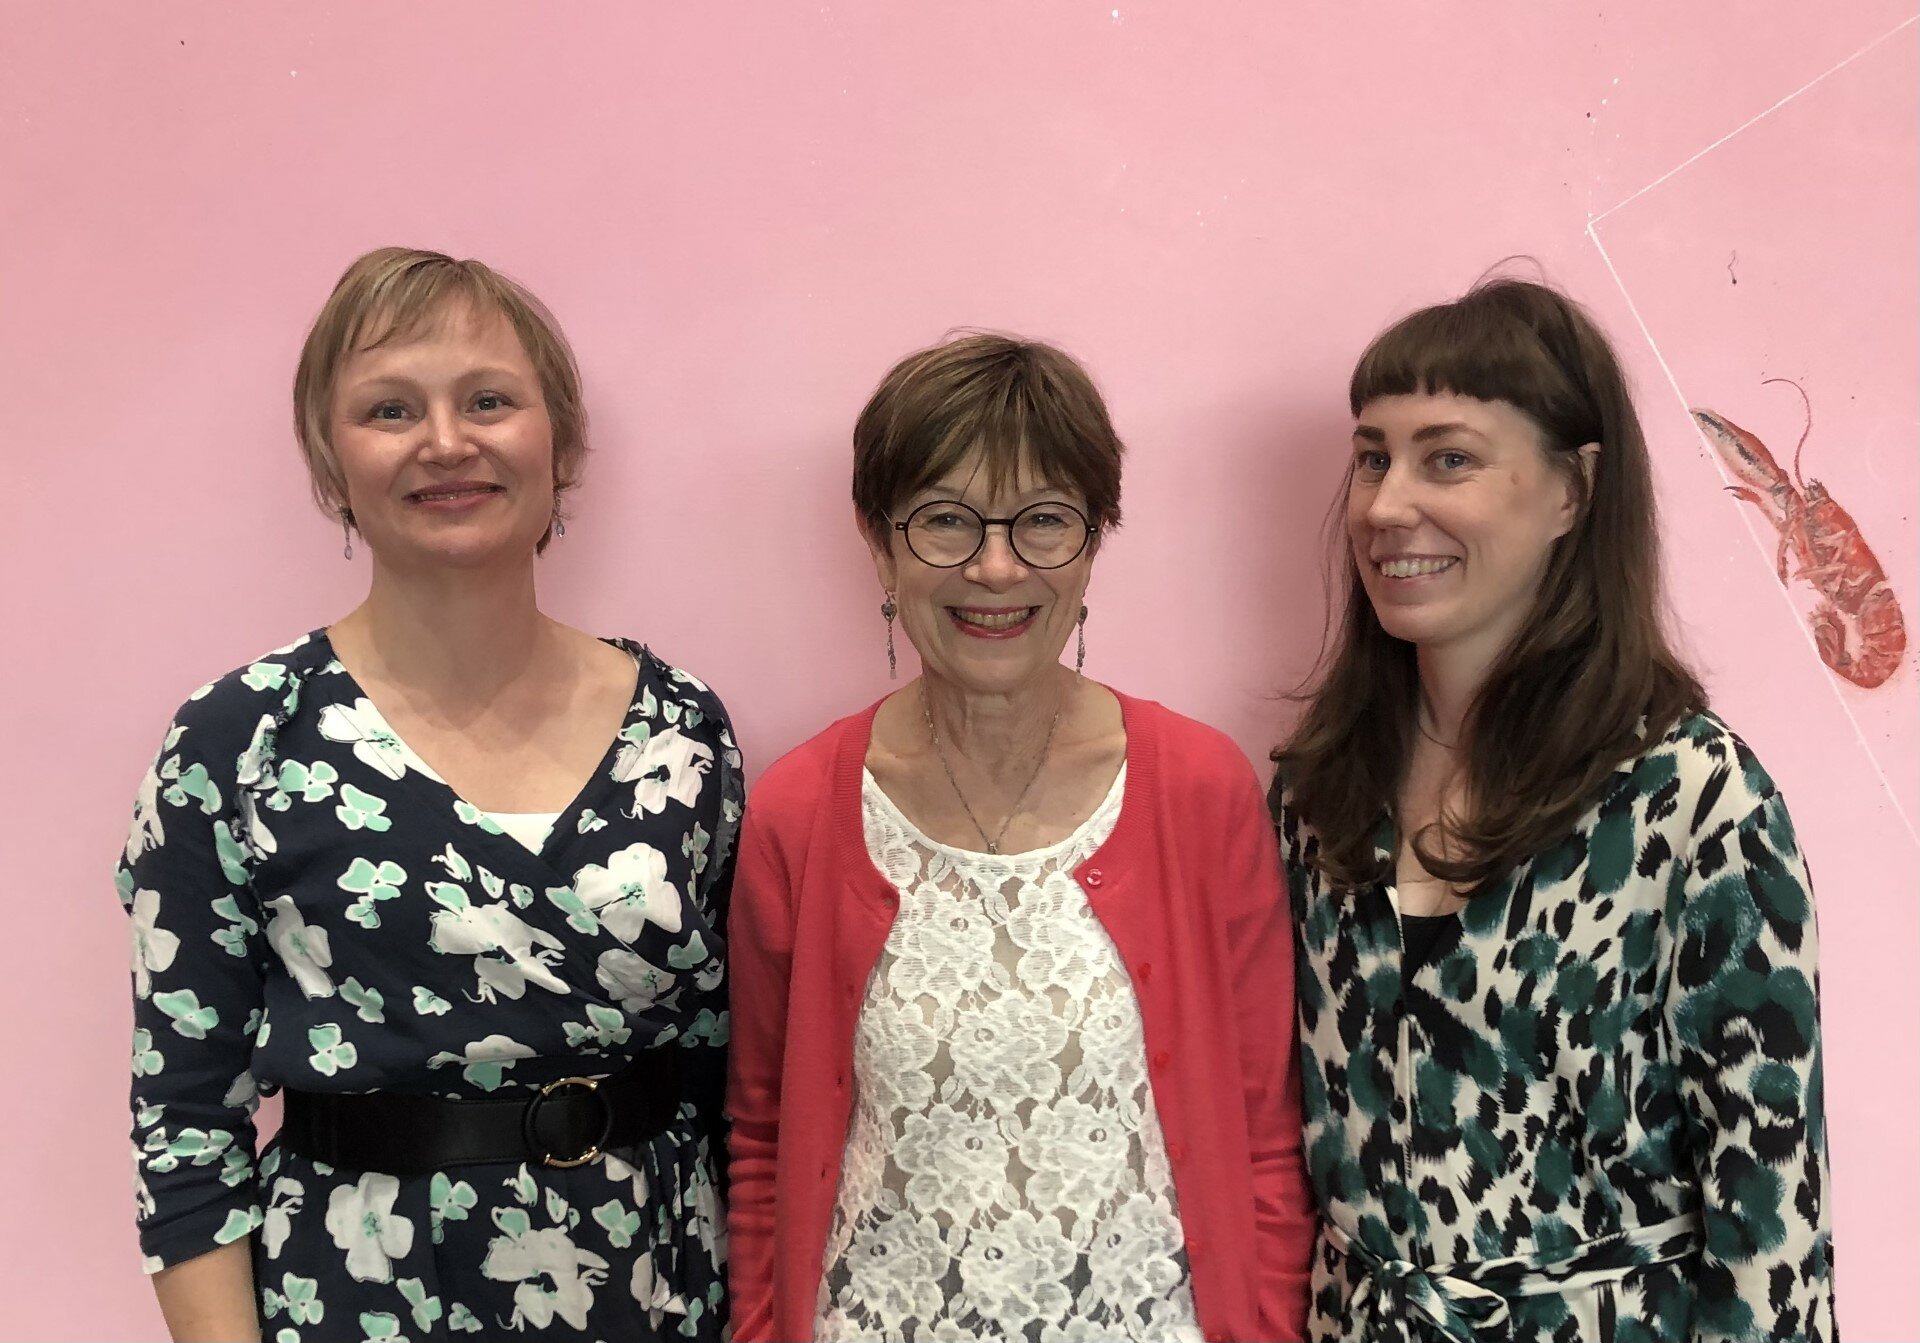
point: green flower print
(426, 1309)
(193, 784)
(695, 845)
(240, 926)
(462, 1319)
(604, 1026)
(331, 1052)
(264, 676)
(312, 783)
(372, 884)
(299, 1297)
(589, 822)
(146, 1059)
(189, 1017)
(365, 1001)
(361, 811)
(472, 815)
(380, 1327)
(621, 1225)
(427, 1003)
(448, 1200)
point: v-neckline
(411, 762)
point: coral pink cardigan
(1189, 888)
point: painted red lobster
(1856, 621)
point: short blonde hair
(392, 293)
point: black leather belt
(568, 1122)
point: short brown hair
(1590, 679)
(393, 293)
(1017, 403)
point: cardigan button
(1193, 1250)
(1160, 1059)
(1093, 876)
(1145, 972)
(1176, 1153)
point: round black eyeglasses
(946, 533)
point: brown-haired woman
(1009, 947)
(450, 876)
(1557, 981)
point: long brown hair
(1589, 679)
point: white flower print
(153, 947)
(630, 892)
(1016, 1270)
(668, 765)
(556, 1277)
(1007, 1049)
(893, 1053)
(1078, 1155)
(957, 1163)
(632, 980)
(361, 1220)
(1131, 1260)
(486, 1060)
(287, 1198)
(896, 1263)
(651, 1291)
(149, 831)
(482, 931)
(374, 743)
(305, 951)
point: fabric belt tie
(1468, 1303)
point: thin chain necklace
(993, 840)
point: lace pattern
(1005, 1175)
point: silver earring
(346, 533)
(559, 526)
(888, 610)
(1080, 657)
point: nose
(447, 443)
(1392, 503)
(995, 565)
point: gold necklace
(992, 841)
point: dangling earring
(559, 526)
(346, 532)
(1080, 656)
(889, 611)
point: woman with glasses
(1558, 989)
(1010, 965)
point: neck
(455, 635)
(1451, 676)
(998, 732)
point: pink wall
(742, 213)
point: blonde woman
(450, 876)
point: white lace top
(1005, 1175)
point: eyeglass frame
(986, 522)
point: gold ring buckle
(528, 1122)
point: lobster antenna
(1798, 481)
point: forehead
(457, 329)
(1405, 415)
(980, 477)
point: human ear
(885, 567)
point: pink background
(743, 213)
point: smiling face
(445, 444)
(994, 625)
(1452, 511)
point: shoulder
(1197, 763)
(675, 686)
(798, 782)
(223, 718)
(1701, 775)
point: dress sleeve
(706, 1061)
(198, 962)
(1743, 1016)
(1259, 937)
(762, 954)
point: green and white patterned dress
(313, 908)
(1594, 1114)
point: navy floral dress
(1594, 1115)
(314, 908)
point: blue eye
(1371, 462)
(1451, 460)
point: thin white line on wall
(1752, 529)
(1595, 219)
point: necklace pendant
(993, 848)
